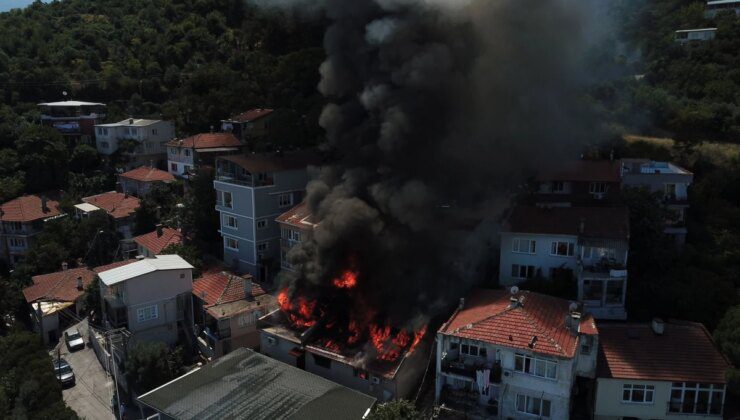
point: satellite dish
(573, 307)
(514, 290)
(64, 92)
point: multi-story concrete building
(150, 138)
(75, 120)
(579, 183)
(252, 190)
(296, 226)
(185, 155)
(139, 181)
(665, 178)
(659, 370)
(249, 124)
(590, 244)
(226, 309)
(150, 297)
(22, 219)
(514, 355)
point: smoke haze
(439, 110)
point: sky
(6, 5)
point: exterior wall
(179, 161)
(609, 403)
(343, 374)
(10, 250)
(278, 351)
(134, 187)
(541, 260)
(152, 137)
(656, 182)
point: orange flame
(305, 309)
(347, 280)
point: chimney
(79, 283)
(573, 319)
(658, 326)
(159, 230)
(131, 121)
(211, 129)
(248, 287)
(582, 226)
(44, 204)
(65, 265)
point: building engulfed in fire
(381, 361)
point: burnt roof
(597, 222)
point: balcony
(469, 402)
(695, 408)
(468, 369)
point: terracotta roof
(28, 208)
(598, 222)
(584, 171)
(148, 174)
(684, 352)
(116, 204)
(156, 243)
(272, 162)
(299, 216)
(222, 287)
(206, 141)
(489, 316)
(59, 286)
(251, 115)
(113, 265)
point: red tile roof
(684, 352)
(207, 141)
(299, 216)
(116, 204)
(113, 265)
(251, 115)
(27, 209)
(489, 316)
(584, 171)
(272, 162)
(156, 243)
(218, 287)
(598, 222)
(59, 286)
(148, 174)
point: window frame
(530, 249)
(529, 271)
(530, 364)
(570, 248)
(282, 203)
(525, 403)
(229, 218)
(263, 222)
(226, 243)
(629, 391)
(597, 188)
(143, 316)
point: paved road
(90, 397)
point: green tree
(159, 205)
(189, 253)
(149, 365)
(727, 337)
(44, 158)
(395, 410)
(84, 159)
(200, 219)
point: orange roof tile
(59, 286)
(28, 208)
(218, 287)
(206, 141)
(156, 243)
(299, 216)
(251, 115)
(490, 317)
(684, 352)
(116, 204)
(596, 222)
(148, 174)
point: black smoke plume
(438, 111)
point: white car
(74, 340)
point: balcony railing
(693, 408)
(468, 370)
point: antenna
(514, 290)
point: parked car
(64, 373)
(74, 339)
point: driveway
(91, 395)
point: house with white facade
(185, 155)
(513, 354)
(667, 179)
(684, 36)
(578, 183)
(75, 120)
(715, 7)
(590, 244)
(659, 370)
(296, 226)
(249, 124)
(252, 191)
(139, 181)
(149, 297)
(149, 137)
(21, 220)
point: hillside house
(152, 243)
(185, 155)
(147, 140)
(120, 207)
(686, 36)
(249, 124)
(139, 181)
(75, 120)
(715, 7)
(514, 354)
(22, 220)
(659, 370)
(587, 183)
(296, 226)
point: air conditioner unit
(599, 196)
(375, 380)
(508, 373)
(271, 341)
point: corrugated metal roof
(145, 266)
(87, 207)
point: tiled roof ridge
(507, 309)
(50, 292)
(540, 330)
(229, 279)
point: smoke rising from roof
(439, 109)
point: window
(558, 186)
(231, 222)
(670, 190)
(523, 246)
(285, 200)
(146, 313)
(532, 405)
(614, 291)
(535, 366)
(173, 151)
(362, 374)
(522, 271)
(173, 167)
(696, 398)
(565, 249)
(154, 131)
(637, 393)
(187, 152)
(597, 188)
(473, 350)
(224, 199)
(261, 224)
(17, 242)
(104, 144)
(262, 246)
(231, 243)
(322, 361)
